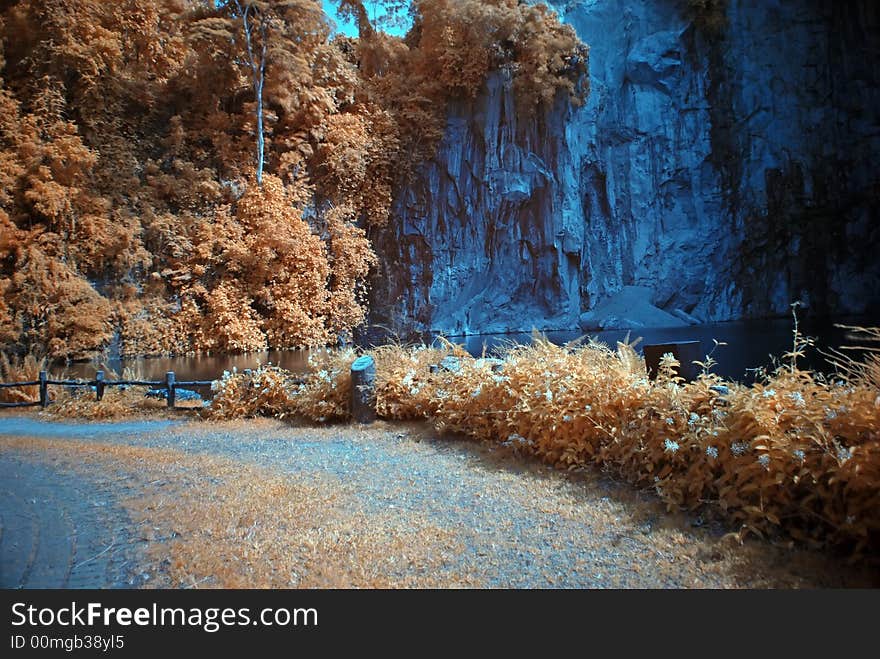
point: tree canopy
(129, 159)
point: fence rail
(362, 400)
(169, 384)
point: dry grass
(209, 522)
(80, 403)
(865, 370)
(117, 402)
(320, 395)
(796, 454)
(404, 385)
(20, 369)
(216, 523)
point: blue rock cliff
(730, 174)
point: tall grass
(865, 369)
(20, 369)
(117, 402)
(796, 453)
(320, 395)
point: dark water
(749, 345)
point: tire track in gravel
(60, 530)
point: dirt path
(264, 504)
(58, 530)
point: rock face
(730, 174)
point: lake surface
(749, 345)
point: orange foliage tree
(129, 203)
(450, 49)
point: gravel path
(205, 504)
(58, 530)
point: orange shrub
(796, 453)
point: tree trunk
(258, 73)
(260, 139)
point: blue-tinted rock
(179, 394)
(630, 308)
(731, 174)
(451, 364)
(187, 394)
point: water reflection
(749, 345)
(193, 367)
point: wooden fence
(363, 378)
(363, 394)
(169, 384)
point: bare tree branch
(258, 71)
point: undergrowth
(20, 369)
(80, 402)
(117, 403)
(320, 395)
(797, 453)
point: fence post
(169, 384)
(99, 385)
(44, 389)
(363, 389)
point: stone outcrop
(730, 174)
(629, 308)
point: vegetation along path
(266, 504)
